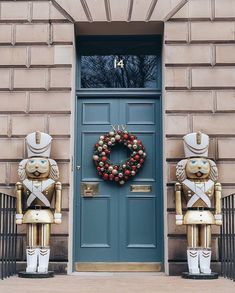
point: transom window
(124, 63)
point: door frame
(125, 93)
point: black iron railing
(8, 235)
(227, 238)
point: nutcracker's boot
(205, 261)
(43, 261)
(193, 261)
(32, 259)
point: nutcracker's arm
(178, 204)
(58, 202)
(218, 214)
(19, 212)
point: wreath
(123, 171)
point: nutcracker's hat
(196, 144)
(38, 144)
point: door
(119, 224)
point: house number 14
(118, 63)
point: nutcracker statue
(197, 181)
(38, 175)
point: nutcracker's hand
(179, 220)
(57, 218)
(218, 219)
(19, 219)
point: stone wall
(200, 96)
(36, 55)
(36, 81)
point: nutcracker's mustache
(199, 171)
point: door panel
(118, 225)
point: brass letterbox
(141, 188)
(89, 189)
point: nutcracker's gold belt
(200, 209)
(38, 207)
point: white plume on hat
(196, 144)
(38, 144)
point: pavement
(115, 283)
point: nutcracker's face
(198, 168)
(37, 168)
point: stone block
(212, 31)
(14, 10)
(12, 177)
(41, 10)
(60, 149)
(59, 124)
(50, 102)
(176, 124)
(13, 56)
(5, 33)
(55, 14)
(13, 102)
(32, 33)
(188, 54)
(171, 171)
(63, 55)
(170, 193)
(65, 197)
(193, 10)
(225, 101)
(8, 190)
(11, 148)
(30, 79)
(5, 79)
(224, 9)
(176, 31)
(215, 124)
(189, 101)
(59, 248)
(60, 78)
(213, 77)
(63, 32)
(3, 171)
(177, 78)
(226, 172)
(226, 148)
(25, 124)
(42, 55)
(174, 148)
(65, 172)
(225, 54)
(4, 125)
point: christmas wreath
(123, 171)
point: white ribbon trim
(198, 194)
(35, 193)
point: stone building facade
(38, 84)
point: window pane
(122, 64)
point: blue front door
(119, 225)
(119, 83)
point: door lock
(78, 167)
